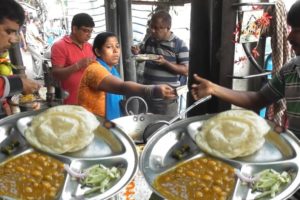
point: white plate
(145, 57)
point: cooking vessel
(141, 126)
(135, 124)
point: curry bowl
(33, 175)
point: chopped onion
(243, 177)
(74, 173)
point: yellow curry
(32, 176)
(201, 178)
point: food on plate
(97, 177)
(144, 57)
(28, 98)
(201, 178)
(31, 176)
(181, 152)
(268, 182)
(233, 133)
(8, 149)
(62, 129)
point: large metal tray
(280, 152)
(112, 147)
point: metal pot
(142, 126)
(134, 125)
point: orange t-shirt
(89, 96)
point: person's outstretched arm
(245, 99)
(12, 85)
(112, 84)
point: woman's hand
(164, 91)
(201, 88)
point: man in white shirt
(35, 46)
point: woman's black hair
(293, 16)
(100, 40)
(10, 9)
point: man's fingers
(198, 78)
(194, 86)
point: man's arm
(60, 72)
(12, 85)
(181, 69)
(245, 99)
(182, 58)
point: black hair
(100, 40)
(293, 16)
(165, 16)
(10, 9)
(82, 19)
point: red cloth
(65, 53)
(2, 85)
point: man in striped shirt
(285, 84)
(171, 63)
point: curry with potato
(201, 178)
(32, 176)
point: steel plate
(280, 152)
(112, 147)
(146, 57)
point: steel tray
(280, 152)
(111, 148)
